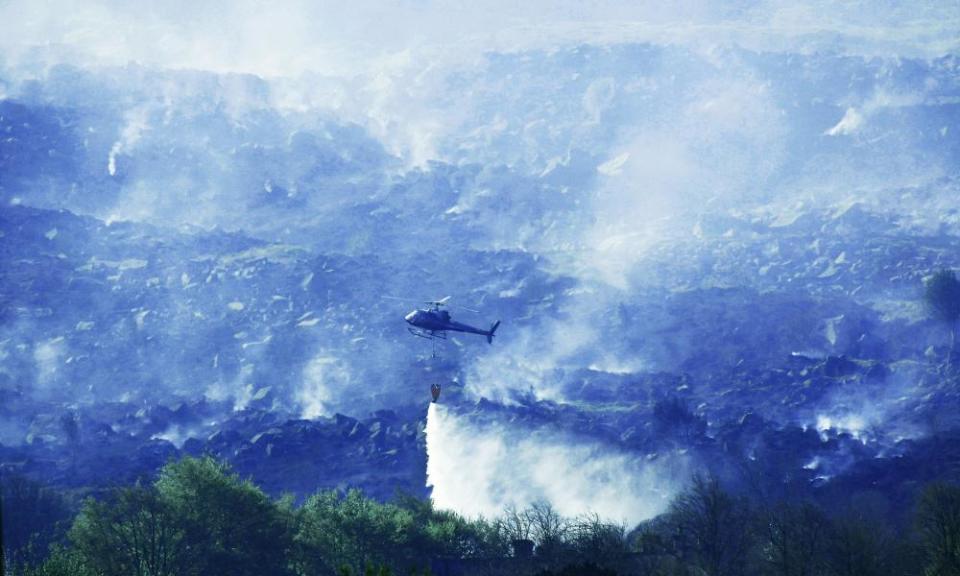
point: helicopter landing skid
(428, 334)
(432, 335)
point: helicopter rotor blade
(445, 301)
(398, 298)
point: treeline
(198, 518)
(708, 531)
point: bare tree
(712, 528)
(600, 542)
(938, 521)
(517, 523)
(548, 527)
(793, 539)
(858, 547)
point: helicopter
(434, 322)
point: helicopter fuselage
(434, 323)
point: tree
(942, 295)
(599, 542)
(229, 525)
(33, 516)
(134, 532)
(549, 529)
(793, 538)
(938, 523)
(518, 524)
(449, 534)
(62, 562)
(712, 528)
(197, 518)
(337, 531)
(858, 546)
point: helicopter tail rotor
(492, 330)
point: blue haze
(698, 233)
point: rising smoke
(481, 469)
(586, 137)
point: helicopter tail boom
(492, 330)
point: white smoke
(899, 407)
(48, 356)
(322, 376)
(481, 469)
(716, 151)
(137, 121)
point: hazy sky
(290, 37)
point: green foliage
(62, 562)
(449, 534)
(132, 532)
(230, 525)
(199, 518)
(336, 531)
